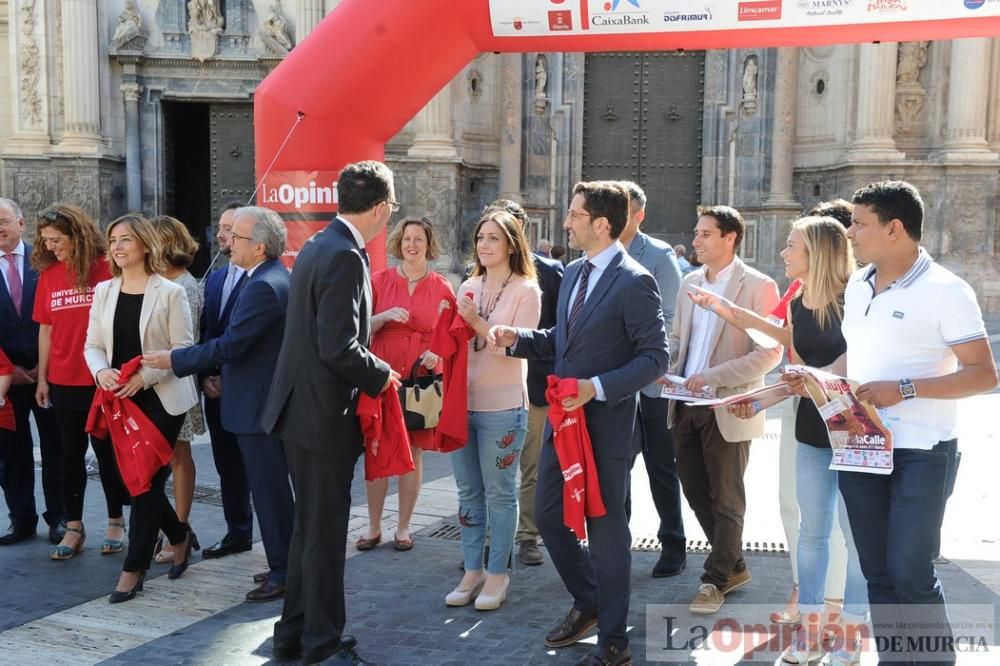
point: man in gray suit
(609, 335)
(657, 441)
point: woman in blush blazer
(136, 311)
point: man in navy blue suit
(247, 353)
(19, 341)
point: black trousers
(598, 577)
(314, 613)
(233, 482)
(152, 511)
(71, 405)
(16, 454)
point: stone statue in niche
(204, 25)
(749, 101)
(541, 79)
(910, 94)
(129, 28)
(274, 31)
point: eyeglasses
(235, 235)
(393, 205)
(572, 214)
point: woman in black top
(135, 309)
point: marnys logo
(886, 6)
(759, 10)
(675, 16)
(824, 7)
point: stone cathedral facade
(147, 105)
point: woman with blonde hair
(501, 290)
(179, 249)
(136, 311)
(69, 256)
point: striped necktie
(581, 295)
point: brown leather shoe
(573, 627)
(708, 600)
(368, 544)
(737, 580)
(607, 655)
(529, 554)
(268, 591)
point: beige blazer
(164, 323)
(736, 363)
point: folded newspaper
(673, 389)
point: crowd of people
(273, 363)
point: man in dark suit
(247, 353)
(222, 286)
(549, 274)
(609, 335)
(19, 341)
(324, 363)
(657, 441)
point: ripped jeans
(486, 476)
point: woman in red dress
(408, 301)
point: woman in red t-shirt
(7, 424)
(69, 257)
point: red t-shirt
(7, 411)
(781, 312)
(59, 305)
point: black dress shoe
(268, 591)
(286, 650)
(668, 565)
(261, 577)
(57, 532)
(225, 547)
(16, 534)
(346, 653)
(607, 655)
(177, 570)
(572, 628)
(118, 597)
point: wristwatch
(907, 389)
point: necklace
(411, 281)
(486, 315)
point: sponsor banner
(306, 201)
(513, 18)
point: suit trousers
(233, 484)
(314, 613)
(711, 472)
(598, 577)
(267, 471)
(527, 528)
(17, 456)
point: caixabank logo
(620, 13)
(759, 10)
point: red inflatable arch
(371, 65)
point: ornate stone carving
(128, 33)
(541, 79)
(204, 26)
(274, 31)
(749, 101)
(31, 100)
(29, 191)
(131, 91)
(910, 94)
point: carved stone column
(432, 128)
(309, 14)
(876, 100)
(81, 84)
(783, 129)
(968, 88)
(133, 146)
(28, 78)
(511, 118)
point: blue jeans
(896, 522)
(486, 476)
(818, 497)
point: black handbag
(421, 398)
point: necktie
(14, 281)
(227, 287)
(581, 295)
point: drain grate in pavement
(203, 494)
(649, 544)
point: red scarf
(451, 343)
(581, 488)
(139, 446)
(387, 444)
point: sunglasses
(49, 215)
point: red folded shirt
(140, 448)
(581, 488)
(7, 421)
(387, 443)
(451, 343)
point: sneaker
(736, 581)
(708, 600)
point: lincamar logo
(759, 10)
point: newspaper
(859, 439)
(673, 389)
(762, 397)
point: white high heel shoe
(493, 601)
(459, 597)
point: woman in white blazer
(136, 311)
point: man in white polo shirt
(916, 341)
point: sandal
(112, 546)
(160, 554)
(801, 652)
(843, 656)
(368, 544)
(62, 552)
(787, 617)
(402, 544)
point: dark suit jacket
(213, 323)
(619, 338)
(324, 359)
(19, 333)
(550, 275)
(248, 349)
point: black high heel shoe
(177, 570)
(118, 597)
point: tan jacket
(735, 363)
(164, 323)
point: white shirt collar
(604, 257)
(359, 239)
(250, 271)
(724, 274)
(19, 249)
